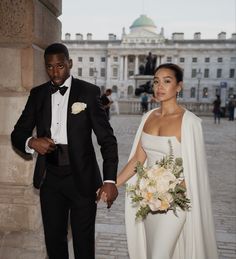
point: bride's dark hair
(176, 69)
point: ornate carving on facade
(12, 18)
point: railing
(134, 107)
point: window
(103, 59)
(115, 59)
(80, 71)
(219, 73)
(231, 91)
(181, 60)
(91, 59)
(205, 92)
(194, 60)
(80, 59)
(91, 71)
(131, 59)
(219, 60)
(103, 72)
(131, 73)
(115, 71)
(168, 59)
(194, 72)
(206, 72)
(193, 92)
(217, 91)
(233, 59)
(114, 89)
(207, 60)
(231, 73)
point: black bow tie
(62, 89)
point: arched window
(114, 89)
(130, 90)
(192, 92)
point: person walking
(231, 108)
(144, 102)
(107, 102)
(216, 109)
(65, 111)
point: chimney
(67, 36)
(233, 37)
(222, 36)
(197, 36)
(111, 36)
(79, 36)
(89, 36)
(162, 31)
(177, 36)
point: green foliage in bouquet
(159, 188)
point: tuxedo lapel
(47, 111)
(73, 97)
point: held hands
(107, 193)
(42, 145)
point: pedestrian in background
(231, 107)
(107, 102)
(216, 109)
(144, 102)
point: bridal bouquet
(159, 188)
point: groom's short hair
(56, 48)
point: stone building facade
(26, 28)
(209, 64)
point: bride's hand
(102, 196)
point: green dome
(143, 21)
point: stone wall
(26, 28)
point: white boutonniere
(78, 107)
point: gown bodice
(156, 147)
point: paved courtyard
(220, 147)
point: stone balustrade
(133, 106)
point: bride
(191, 234)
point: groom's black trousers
(61, 203)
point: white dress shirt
(59, 114)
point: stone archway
(26, 28)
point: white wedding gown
(162, 230)
(196, 238)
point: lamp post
(199, 77)
(95, 74)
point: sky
(101, 17)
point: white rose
(154, 205)
(78, 107)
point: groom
(64, 112)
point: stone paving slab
(220, 149)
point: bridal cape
(197, 239)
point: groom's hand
(42, 145)
(111, 192)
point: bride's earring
(177, 96)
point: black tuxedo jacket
(37, 114)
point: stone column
(108, 81)
(136, 72)
(26, 28)
(121, 68)
(126, 68)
